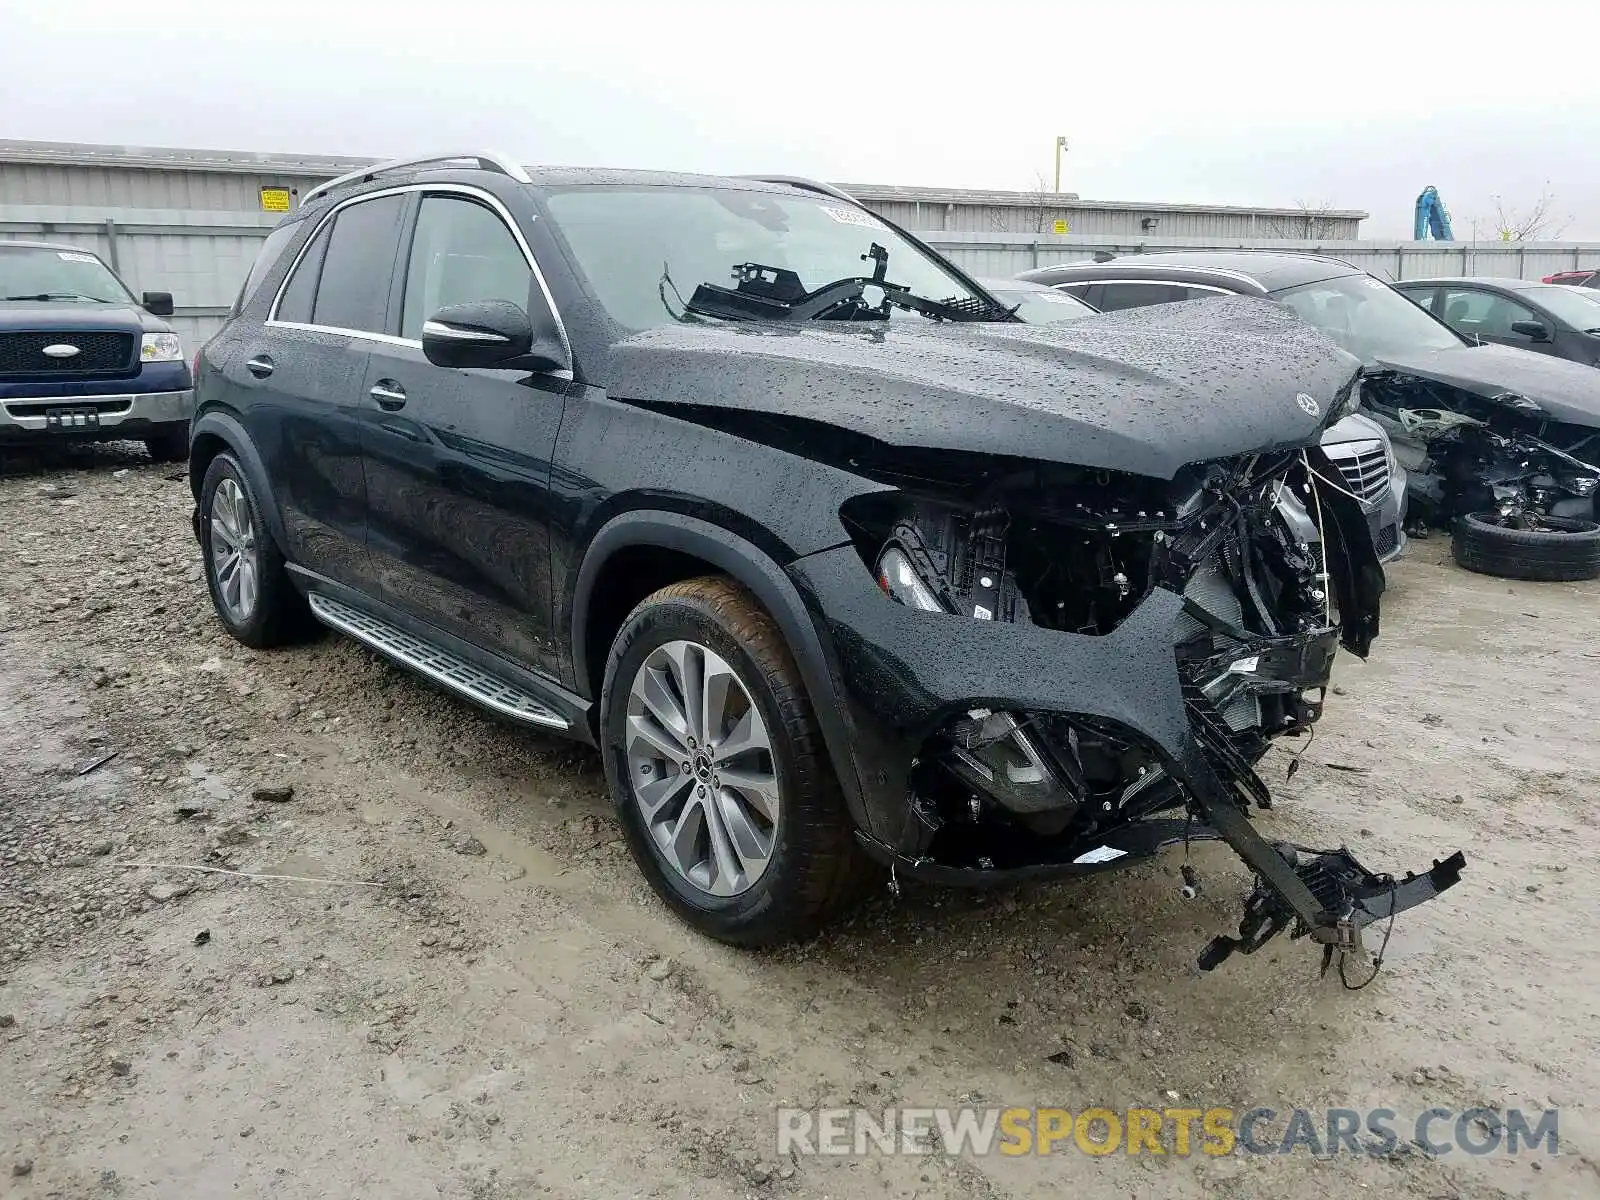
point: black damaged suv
(834, 558)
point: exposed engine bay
(1466, 453)
(998, 791)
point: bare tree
(1537, 220)
(1040, 194)
(1308, 222)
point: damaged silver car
(1499, 444)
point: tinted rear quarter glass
(302, 290)
(353, 292)
(266, 258)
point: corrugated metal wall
(202, 257)
(1108, 221)
(1003, 256)
(113, 187)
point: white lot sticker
(852, 216)
(1100, 854)
(75, 256)
(1053, 298)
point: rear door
(458, 460)
(298, 376)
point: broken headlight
(994, 754)
(900, 581)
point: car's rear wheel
(1527, 546)
(719, 772)
(245, 573)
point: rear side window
(266, 258)
(353, 291)
(298, 297)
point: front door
(458, 460)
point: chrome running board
(431, 662)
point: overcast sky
(1353, 105)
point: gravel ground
(460, 987)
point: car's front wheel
(718, 770)
(245, 574)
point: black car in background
(1546, 318)
(831, 556)
(1479, 428)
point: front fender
(749, 565)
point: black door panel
(301, 416)
(459, 500)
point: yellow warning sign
(275, 199)
(1061, 227)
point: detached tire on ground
(718, 770)
(1562, 549)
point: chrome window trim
(1219, 272)
(1101, 282)
(453, 189)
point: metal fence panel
(202, 257)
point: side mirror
(490, 333)
(1534, 331)
(157, 304)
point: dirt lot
(476, 996)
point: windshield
(44, 272)
(1579, 308)
(1042, 308)
(623, 238)
(1367, 317)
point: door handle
(260, 366)
(389, 395)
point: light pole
(1061, 146)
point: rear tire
(168, 447)
(250, 588)
(1566, 550)
(765, 881)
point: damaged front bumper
(902, 673)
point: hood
(1144, 391)
(23, 315)
(1566, 391)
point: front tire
(718, 770)
(250, 589)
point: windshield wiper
(57, 296)
(776, 294)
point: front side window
(1483, 314)
(461, 252)
(641, 248)
(1366, 317)
(353, 291)
(50, 273)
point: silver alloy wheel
(700, 768)
(234, 561)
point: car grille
(22, 355)
(1365, 467)
(1388, 539)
